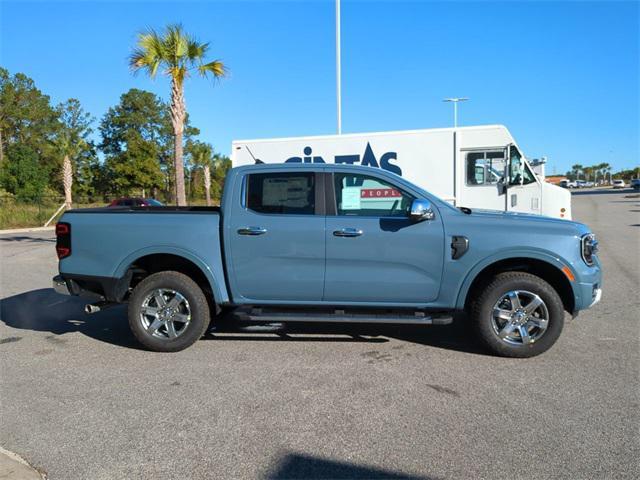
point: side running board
(341, 316)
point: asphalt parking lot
(80, 400)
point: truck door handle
(252, 231)
(348, 232)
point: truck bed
(107, 242)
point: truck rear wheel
(168, 312)
(518, 315)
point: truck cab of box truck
(477, 167)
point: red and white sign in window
(380, 193)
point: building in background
(555, 179)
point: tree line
(146, 146)
(44, 147)
(601, 173)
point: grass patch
(20, 214)
(16, 214)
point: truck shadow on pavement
(46, 311)
(24, 238)
(450, 337)
(295, 466)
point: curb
(27, 230)
(14, 467)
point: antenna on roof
(256, 160)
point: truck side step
(341, 316)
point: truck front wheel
(517, 315)
(168, 312)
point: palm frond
(196, 50)
(216, 68)
(148, 54)
(151, 41)
(176, 43)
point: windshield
(519, 171)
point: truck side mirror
(421, 210)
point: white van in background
(477, 167)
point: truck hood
(528, 220)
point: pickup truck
(330, 243)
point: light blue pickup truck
(330, 243)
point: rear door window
(281, 193)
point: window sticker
(351, 198)
(291, 192)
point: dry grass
(18, 214)
(15, 214)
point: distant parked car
(588, 184)
(136, 202)
(569, 184)
(635, 183)
(618, 184)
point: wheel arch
(145, 262)
(549, 269)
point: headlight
(589, 248)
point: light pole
(455, 101)
(338, 72)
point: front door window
(364, 195)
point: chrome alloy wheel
(520, 317)
(165, 314)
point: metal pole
(338, 73)
(455, 108)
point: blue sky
(563, 76)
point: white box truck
(478, 167)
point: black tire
(197, 304)
(481, 313)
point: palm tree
(221, 165)
(71, 141)
(606, 168)
(177, 54)
(602, 168)
(577, 169)
(201, 155)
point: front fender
(216, 280)
(537, 254)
